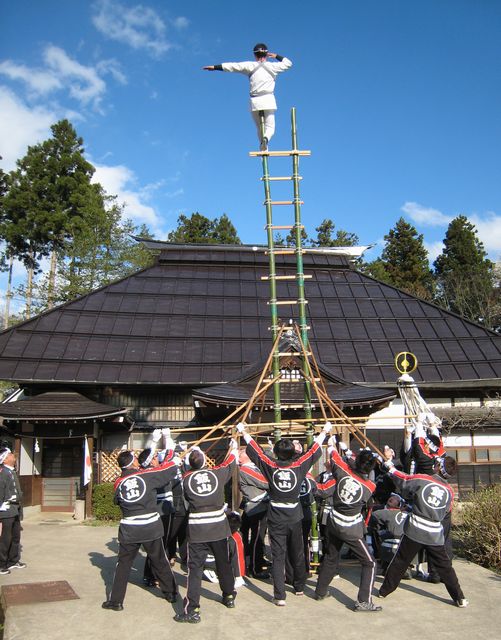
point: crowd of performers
(386, 513)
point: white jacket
(262, 80)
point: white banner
(87, 464)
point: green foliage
(197, 229)
(404, 261)
(325, 237)
(465, 277)
(103, 506)
(479, 533)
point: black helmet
(260, 49)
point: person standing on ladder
(262, 73)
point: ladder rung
(293, 152)
(294, 353)
(284, 277)
(275, 178)
(283, 252)
(289, 302)
(283, 226)
(295, 380)
(292, 406)
(282, 202)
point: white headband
(4, 454)
(126, 466)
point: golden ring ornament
(406, 362)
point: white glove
(327, 428)
(343, 446)
(388, 465)
(4, 506)
(177, 461)
(169, 443)
(233, 445)
(331, 442)
(241, 427)
(183, 445)
(166, 432)
(157, 434)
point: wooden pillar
(88, 488)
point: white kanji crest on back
(349, 490)
(132, 489)
(203, 483)
(284, 479)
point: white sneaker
(279, 603)
(239, 582)
(462, 603)
(210, 575)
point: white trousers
(269, 122)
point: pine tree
(465, 277)
(404, 261)
(326, 237)
(224, 231)
(49, 189)
(197, 229)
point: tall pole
(275, 367)
(298, 228)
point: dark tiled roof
(200, 316)
(57, 405)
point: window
(481, 455)
(495, 455)
(463, 455)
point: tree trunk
(8, 295)
(29, 289)
(52, 279)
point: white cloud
(425, 215)
(489, 232)
(21, 126)
(488, 226)
(83, 83)
(140, 27)
(63, 73)
(38, 81)
(434, 250)
(121, 181)
(181, 22)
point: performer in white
(262, 74)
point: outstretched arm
(213, 67)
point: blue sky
(398, 100)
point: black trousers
(176, 536)
(330, 565)
(197, 554)
(305, 532)
(10, 542)
(253, 532)
(441, 563)
(446, 523)
(127, 552)
(148, 570)
(287, 540)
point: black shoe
(407, 575)
(4, 572)
(229, 602)
(18, 565)
(367, 606)
(114, 606)
(317, 596)
(149, 582)
(192, 618)
(433, 578)
(171, 597)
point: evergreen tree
(465, 277)
(49, 189)
(224, 231)
(197, 229)
(404, 261)
(326, 237)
